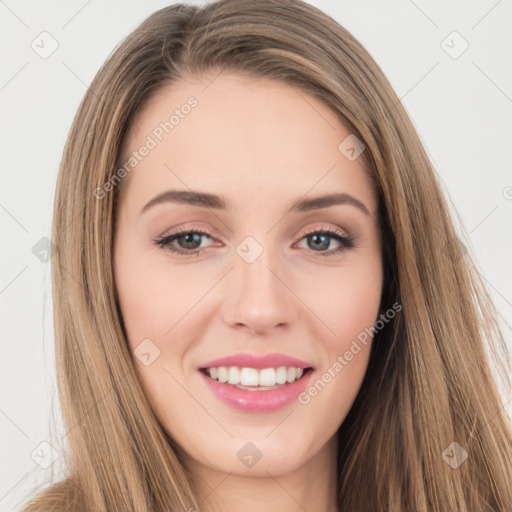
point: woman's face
(268, 276)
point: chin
(256, 456)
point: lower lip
(257, 401)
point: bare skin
(262, 146)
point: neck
(312, 486)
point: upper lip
(247, 360)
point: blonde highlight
(428, 382)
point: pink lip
(258, 362)
(257, 401)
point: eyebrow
(206, 200)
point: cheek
(346, 302)
(154, 297)
(157, 304)
(350, 308)
(357, 309)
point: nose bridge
(255, 262)
(260, 299)
(254, 266)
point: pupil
(316, 239)
(189, 238)
(319, 241)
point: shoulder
(59, 497)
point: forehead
(249, 139)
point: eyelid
(323, 227)
(344, 238)
(210, 231)
(193, 228)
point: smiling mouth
(253, 379)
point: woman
(260, 298)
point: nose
(259, 298)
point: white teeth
(266, 377)
(249, 377)
(233, 375)
(222, 374)
(281, 375)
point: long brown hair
(429, 381)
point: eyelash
(346, 242)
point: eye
(319, 239)
(189, 241)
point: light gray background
(460, 106)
